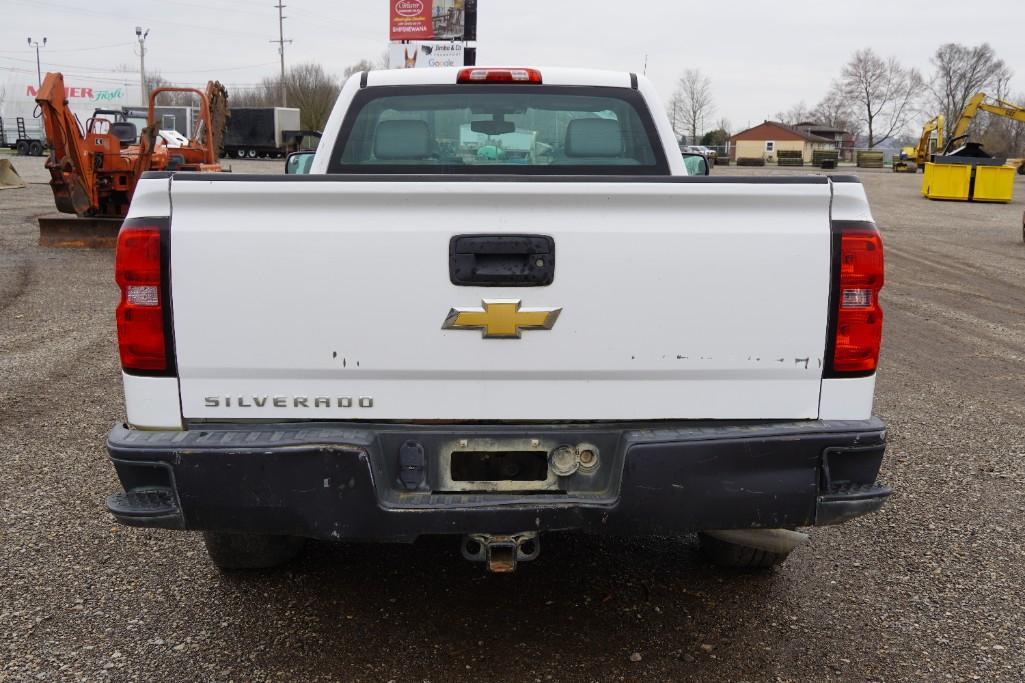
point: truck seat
(125, 132)
(590, 138)
(402, 140)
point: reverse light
(858, 318)
(140, 313)
(473, 75)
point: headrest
(402, 140)
(594, 138)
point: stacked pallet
(820, 155)
(750, 161)
(788, 157)
(870, 159)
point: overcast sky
(762, 57)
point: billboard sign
(421, 55)
(427, 19)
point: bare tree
(881, 93)
(691, 103)
(264, 94)
(310, 89)
(799, 113)
(834, 110)
(675, 112)
(313, 91)
(960, 72)
(1002, 136)
(361, 65)
(155, 80)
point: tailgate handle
(501, 260)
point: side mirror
(696, 164)
(298, 163)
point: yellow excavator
(963, 171)
(993, 106)
(913, 158)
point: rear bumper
(345, 480)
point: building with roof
(766, 139)
(843, 139)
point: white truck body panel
(672, 307)
(152, 402)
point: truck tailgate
(325, 298)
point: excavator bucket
(83, 232)
(9, 178)
(217, 98)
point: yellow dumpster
(947, 181)
(994, 183)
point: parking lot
(930, 588)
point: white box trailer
(259, 131)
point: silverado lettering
(285, 402)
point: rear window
(498, 129)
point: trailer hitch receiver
(500, 553)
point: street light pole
(39, 71)
(141, 35)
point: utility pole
(141, 35)
(281, 48)
(39, 71)
(470, 32)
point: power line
(210, 6)
(73, 49)
(69, 8)
(107, 70)
(130, 76)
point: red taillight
(859, 318)
(473, 75)
(140, 314)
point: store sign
(421, 55)
(426, 19)
(89, 94)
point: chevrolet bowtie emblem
(501, 318)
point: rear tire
(250, 551)
(733, 556)
(35, 149)
(21, 148)
(251, 154)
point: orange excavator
(93, 171)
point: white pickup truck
(431, 334)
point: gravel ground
(928, 589)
